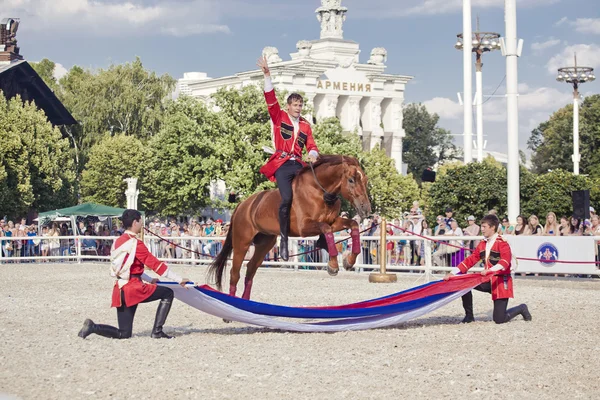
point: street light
(481, 42)
(575, 76)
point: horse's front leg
(347, 223)
(327, 231)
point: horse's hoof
(347, 265)
(332, 271)
(227, 321)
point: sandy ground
(557, 356)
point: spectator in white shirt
(452, 247)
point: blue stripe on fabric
(299, 312)
(400, 293)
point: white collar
(492, 238)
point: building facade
(328, 71)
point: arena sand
(556, 356)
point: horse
(315, 211)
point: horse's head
(354, 187)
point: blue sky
(226, 36)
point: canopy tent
(81, 210)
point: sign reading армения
(347, 86)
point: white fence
(581, 251)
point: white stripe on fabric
(196, 299)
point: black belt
(285, 154)
(135, 276)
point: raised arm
(270, 97)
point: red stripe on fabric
(455, 284)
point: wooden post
(382, 276)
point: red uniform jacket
(135, 290)
(287, 142)
(500, 254)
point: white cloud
(119, 17)
(582, 25)
(587, 25)
(587, 55)
(535, 106)
(561, 21)
(392, 9)
(444, 107)
(59, 71)
(539, 46)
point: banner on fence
(554, 250)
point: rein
(329, 198)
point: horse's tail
(217, 267)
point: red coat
(500, 254)
(135, 290)
(287, 142)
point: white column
(329, 105)
(512, 109)
(467, 83)
(396, 151)
(576, 156)
(131, 193)
(479, 88)
(354, 114)
(376, 129)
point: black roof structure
(20, 78)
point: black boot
(467, 301)
(161, 316)
(518, 310)
(108, 331)
(284, 228)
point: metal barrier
(201, 250)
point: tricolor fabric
(377, 313)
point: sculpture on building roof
(378, 56)
(304, 47)
(331, 15)
(272, 55)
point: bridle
(329, 198)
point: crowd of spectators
(181, 244)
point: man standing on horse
(291, 133)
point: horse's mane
(330, 159)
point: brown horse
(315, 211)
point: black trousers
(284, 177)
(126, 314)
(500, 305)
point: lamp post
(467, 87)
(575, 76)
(481, 42)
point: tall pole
(467, 83)
(479, 105)
(512, 109)
(576, 155)
(575, 76)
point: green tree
(552, 192)
(36, 171)
(391, 193)
(425, 144)
(474, 189)
(183, 160)
(111, 161)
(45, 69)
(331, 139)
(125, 98)
(246, 130)
(552, 141)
